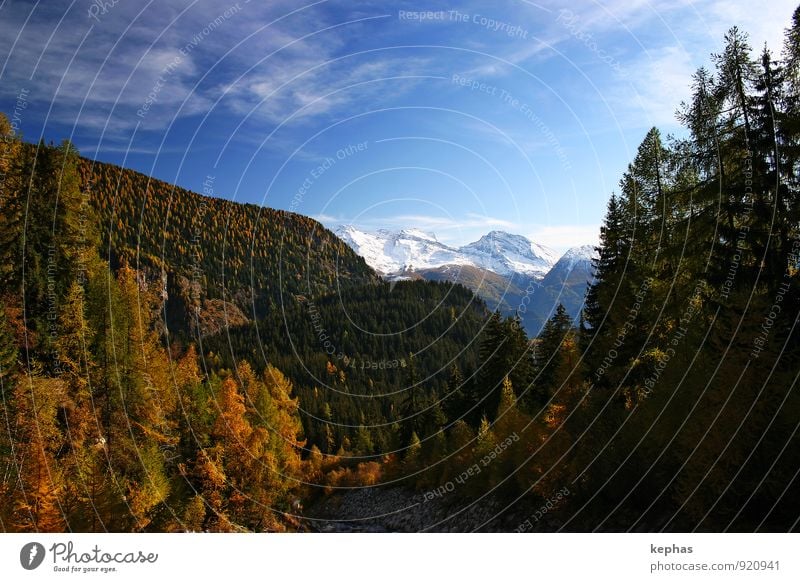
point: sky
(453, 117)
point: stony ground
(402, 510)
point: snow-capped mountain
(506, 254)
(393, 252)
(567, 280)
(566, 284)
(575, 263)
(499, 267)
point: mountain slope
(215, 256)
(259, 287)
(565, 283)
(355, 353)
(496, 290)
(573, 268)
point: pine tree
(414, 405)
(453, 402)
(329, 437)
(460, 439)
(550, 353)
(412, 453)
(610, 256)
(504, 351)
(509, 419)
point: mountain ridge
(392, 252)
(509, 271)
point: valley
(509, 272)
(176, 361)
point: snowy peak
(578, 254)
(493, 267)
(498, 240)
(505, 254)
(574, 267)
(392, 252)
(415, 233)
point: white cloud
(660, 45)
(655, 92)
(313, 83)
(766, 23)
(564, 236)
(127, 53)
(424, 222)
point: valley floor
(398, 509)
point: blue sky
(457, 118)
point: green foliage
(690, 343)
(672, 407)
(264, 257)
(504, 353)
(105, 429)
(354, 372)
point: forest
(221, 367)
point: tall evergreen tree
(550, 352)
(504, 352)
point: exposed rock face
(215, 315)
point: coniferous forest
(173, 362)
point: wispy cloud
(306, 86)
(317, 64)
(173, 57)
(652, 96)
(767, 25)
(697, 29)
(563, 236)
(424, 222)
